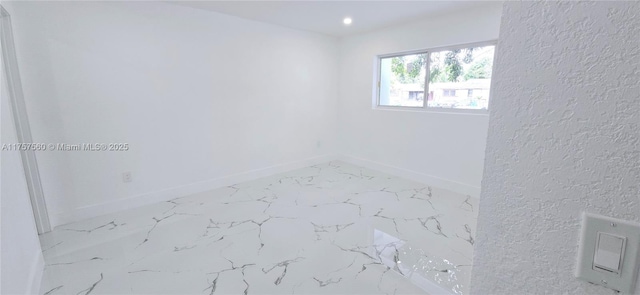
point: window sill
(480, 112)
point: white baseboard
(36, 272)
(181, 191)
(451, 185)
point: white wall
(563, 138)
(442, 149)
(21, 257)
(203, 99)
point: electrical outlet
(126, 177)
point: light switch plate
(594, 225)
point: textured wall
(564, 137)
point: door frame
(21, 120)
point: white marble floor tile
(333, 228)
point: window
(401, 79)
(459, 77)
(449, 92)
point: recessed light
(347, 21)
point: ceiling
(326, 16)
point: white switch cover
(609, 252)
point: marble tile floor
(332, 228)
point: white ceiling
(326, 16)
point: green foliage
(436, 75)
(468, 55)
(479, 70)
(445, 66)
(435, 72)
(408, 72)
(453, 67)
(458, 65)
(398, 68)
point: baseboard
(172, 193)
(451, 185)
(36, 272)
